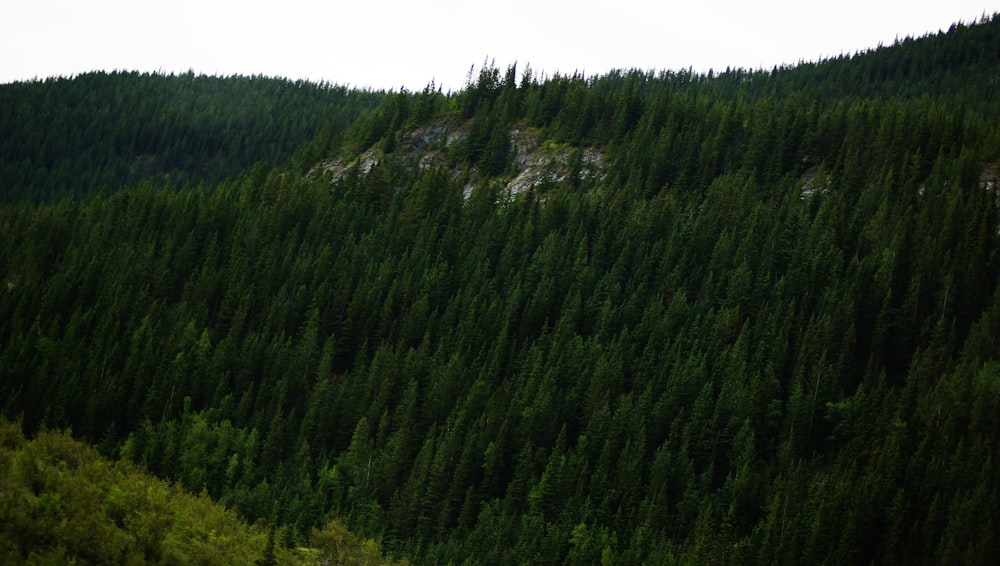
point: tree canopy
(746, 317)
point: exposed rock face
(989, 180)
(815, 182)
(989, 177)
(539, 163)
(337, 167)
(536, 163)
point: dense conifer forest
(738, 317)
(103, 131)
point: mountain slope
(104, 131)
(735, 322)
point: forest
(748, 316)
(64, 503)
(104, 131)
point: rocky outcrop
(815, 182)
(534, 162)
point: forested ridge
(71, 137)
(763, 327)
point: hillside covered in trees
(62, 503)
(643, 317)
(103, 131)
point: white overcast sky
(397, 43)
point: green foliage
(764, 328)
(63, 503)
(72, 137)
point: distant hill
(636, 318)
(71, 137)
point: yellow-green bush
(62, 503)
